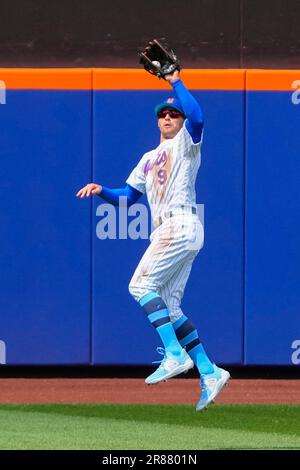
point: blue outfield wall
(45, 256)
(64, 291)
(272, 296)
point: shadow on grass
(279, 419)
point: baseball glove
(158, 60)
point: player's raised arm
(190, 106)
(162, 62)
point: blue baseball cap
(170, 103)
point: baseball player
(167, 175)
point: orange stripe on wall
(117, 79)
(272, 80)
(47, 79)
(138, 79)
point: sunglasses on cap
(173, 113)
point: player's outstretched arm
(191, 107)
(111, 195)
(89, 190)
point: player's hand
(89, 190)
(173, 77)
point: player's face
(169, 126)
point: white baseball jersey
(168, 173)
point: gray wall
(108, 33)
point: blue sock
(189, 339)
(158, 315)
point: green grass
(149, 427)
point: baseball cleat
(171, 366)
(211, 386)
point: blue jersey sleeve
(192, 110)
(112, 195)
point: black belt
(171, 214)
